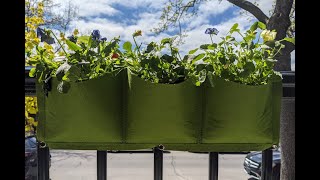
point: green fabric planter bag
(162, 113)
(112, 113)
(240, 117)
(86, 117)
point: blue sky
(123, 17)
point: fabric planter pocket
(162, 113)
(241, 117)
(89, 115)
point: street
(81, 165)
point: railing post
(43, 161)
(158, 162)
(266, 169)
(213, 165)
(101, 165)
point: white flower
(268, 35)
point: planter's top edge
(220, 80)
(185, 82)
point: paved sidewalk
(81, 165)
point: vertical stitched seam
(124, 106)
(203, 104)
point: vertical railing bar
(101, 165)
(266, 169)
(158, 162)
(213, 165)
(43, 161)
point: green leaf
(188, 57)
(210, 77)
(235, 26)
(204, 46)
(209, 68)
(127, 46)
(150, 47)
(167, 58)
(32, 72)
(249, 67)
(108, 48)
(73, 46)
(254, 26)
(230, 39)
(63, 87)
(89, 42)
(166, 40)
(97, 68)
(212, 46)
(63, 68)
(292, 40)
(200, 67)
(198, 83)
(198, 57)
(271, 60)
(271, 43)
(262, 25)
(263, 46)
(65, 77)
(276, 76)
(248, 39)
(74, 73)
(193, 51)
(83, 39)
(203, 74)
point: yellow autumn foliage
(32, 22)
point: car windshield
(30, 142)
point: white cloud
(158, 4)
(111, 29)
(106, 27)
(214, 7)
(89, 7)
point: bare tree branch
(53, 19)
(251, 8)
(174, 12)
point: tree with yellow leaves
(32, 22)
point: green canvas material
(91, 112)
(112, 113)
(163, 113)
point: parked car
(31, 160)
(252, 164)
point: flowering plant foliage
(157, 63)
(84, 57)
(248, 61)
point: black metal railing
(266, 174)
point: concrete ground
(81, 165)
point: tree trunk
(280, 22)
(283, 63)
(287, 139)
